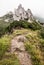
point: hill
(21, 38)
(39, 19)
(34, 46)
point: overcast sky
(36, 6)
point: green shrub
(23, 24)
(17, 24)
(34, 25)
(42, 45)
(8, 27)
(42, 32)
(3, 26)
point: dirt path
(18, 47)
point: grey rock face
(21, 14)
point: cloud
(36, 6)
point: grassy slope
(4, 24)
(34, 46)
(5, 57)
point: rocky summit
(21, 14)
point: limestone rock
(21, 14)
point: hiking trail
(17, 46)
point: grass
(4, 47)
(35, 54)
(20, 31)
(34, 46)
(10, 59)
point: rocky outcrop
(21, 14)
(8, 17)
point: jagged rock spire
(20, 13)
(20, 6)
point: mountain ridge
(21, 14)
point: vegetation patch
(7, 27)
(10, 59)
(33, 47)
(4, 45)
(42, 33)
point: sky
(36, 6)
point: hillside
(21, 39)
(19, 14)
(22, 43)
(41, 20)
(34, 46)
